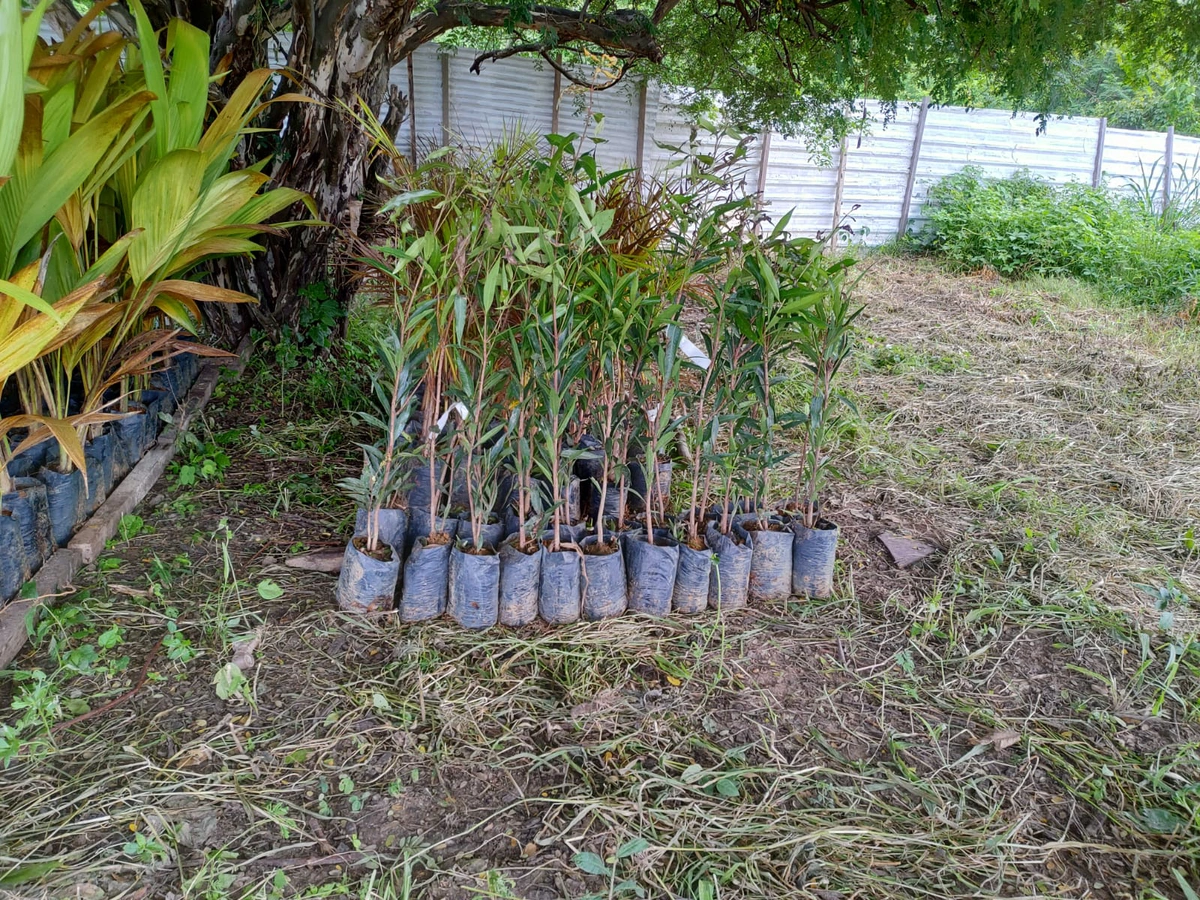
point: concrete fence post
(843, 152)
(641, 124)
(764, 157)
(445, 99)
(1098, 165)
(412, 113)
(1168, 166)
(913, 160)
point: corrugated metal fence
(878, 181)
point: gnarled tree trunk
(342, 53)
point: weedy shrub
(1021, 225)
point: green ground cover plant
(1132, 248)
(1018, 718)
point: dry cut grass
(1018, 718)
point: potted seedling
(558, 360)
(371, 565)
(698, 438)
(428, 301)
(399, 356)
(652, 556)
(521, 552)
(826, 344)
(614, 305)
(775, 297)
(731, 547)
(718, 450)
(474, 576)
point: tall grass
(1133, 247)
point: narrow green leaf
(156, 82)
(12, 83)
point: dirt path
(1010, 720)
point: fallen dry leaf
(1002, 740)
(243, 651)
(193, 756)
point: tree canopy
(795, 65)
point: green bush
(1021, 225)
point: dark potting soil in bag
(426, 580)
(474, 593)
(14, 568)
(771, 565)
(650, 573)
(26, 504)
(419, 526)
(65, 498)
(520, 580)
(393, 526)
(586, 473)
(367, 584)
(615, 501)
(168, 383)
(603, 578)
(492, 536)
(560, 593)
(574, 508)
(813, 556)
(730, 582)
(512, 525)
(690, 594)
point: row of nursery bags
(47, 505)
(761, 560)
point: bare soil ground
(1016, 718)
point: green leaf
(68, 167)
(1188, 892)
(29, 298)
(269, 590)
(228, 681)
(460, 315)
(187, 94)
(591, 863)
(152, 70)
(12, 83)
(24, 873)
(489, 285)
(637, 845)
(32, 23)
(1163, 821)
(162, 208)
(728, 787)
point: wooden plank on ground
(57, 575)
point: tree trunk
(322, 152)
(342, 53)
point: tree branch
(575, 79)
(625, 31)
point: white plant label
(694, 354)
(456, 407)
